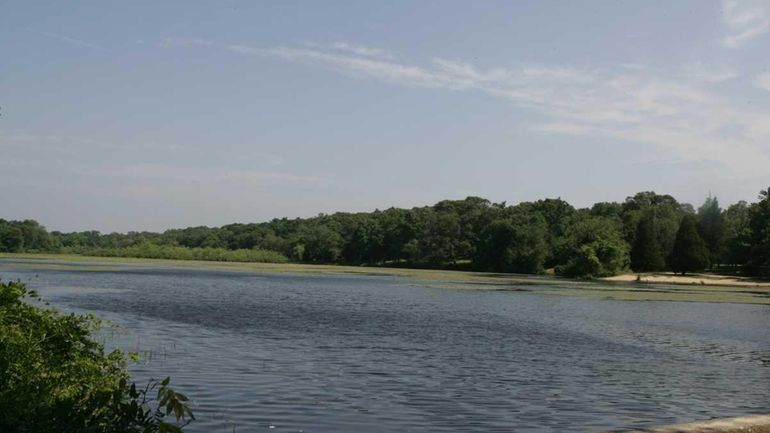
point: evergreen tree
(759, 243)
(646, 252)
(711, 227)
(690, 253)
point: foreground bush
(55, 378)
(152, 251)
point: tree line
(647, 232)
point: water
(290, 353)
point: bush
(55, 378)
(152, 251)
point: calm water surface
(289, 353)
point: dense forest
(647, 232)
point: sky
(120, 116)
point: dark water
(288, 353)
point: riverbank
(743, 424)
(689, 279)
(652, 287)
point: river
(353, 353)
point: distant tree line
(648, 232)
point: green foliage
(737, 233)
(55, 378)
(25, 235)
(11, 239)
(513, 245)
(646, 251)
(711, 227)
(759, 239)
(690, 253)
(665, 213)
(450, 234)
(152, 251)
(322, 243)
(559, 217)
(595, 249)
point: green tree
(11, 239)
(711, 227)
(513, 245)
(558, 216)
(322, 242)
(690, 253)
(737, 234)
(646, 252)
(596, 248)
(759, 240)
(666, 213)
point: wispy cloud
(361, 66)
(178, 42)
(363, 50)
(745, 20)
(74, 41)
(680, 109)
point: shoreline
(625, 287)
(741, 424)
(688, 279)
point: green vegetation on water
(147, 250)
(648, 232)
(55, 378)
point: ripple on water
(291, 353)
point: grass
(462, 280)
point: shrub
(55, 378)
(152, 251)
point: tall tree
(11, 239)
(759, 241)
(737, 234)
(690, 253)
(646, 252)
(665, 210)
(711, 227)
(513, 245)
(596, 249)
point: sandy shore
(744, 424)
(689, 279)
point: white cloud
(679, 110)
(745, 20)
(74, 41)
(763, 81)
(185, 43)
(362, 50)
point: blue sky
(151, 115)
